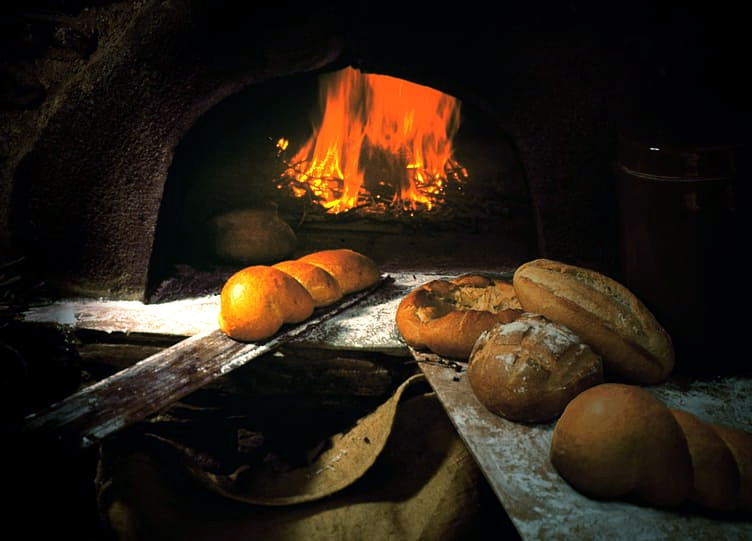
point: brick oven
(126, 127)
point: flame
(404, 128)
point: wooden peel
(131, 395)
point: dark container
(679, 246)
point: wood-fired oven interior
(228, 200)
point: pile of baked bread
(570, 345)
(559, 343)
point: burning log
(382, 142)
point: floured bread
(608, 317)
(529, 369)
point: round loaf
(447, 316)
(616, 441)
(716, 475)
(256, 301)
(528, 370)
(322, 286)
(352, 270)
(739, 443)
(607, 316)
(251, 236)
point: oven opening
(410, 175)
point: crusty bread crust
(528, 370)
(605, 314)
(447, 316)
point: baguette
(607, 316)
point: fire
(379, 138)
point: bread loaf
(256, 301)
(529, 369)
(447, 316)
(635, 348)
(716, 475)
(322, 286)
(352, 270)
(616, 441)
(739, 443)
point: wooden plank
(148, 386)
(541, 505)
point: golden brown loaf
(616, 441)
(322, 286)
(739, 443)
(352, 270)
(716, 475)
(447, 316)
(529, 369)
(256, 301)
(606, 315)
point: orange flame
(407, 128)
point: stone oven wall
(98, 94)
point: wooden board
(514, 459)
(154, 383)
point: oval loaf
(606, 315)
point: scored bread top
(529, 369)
(606, 314)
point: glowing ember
(380, 138)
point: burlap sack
(401, 473)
